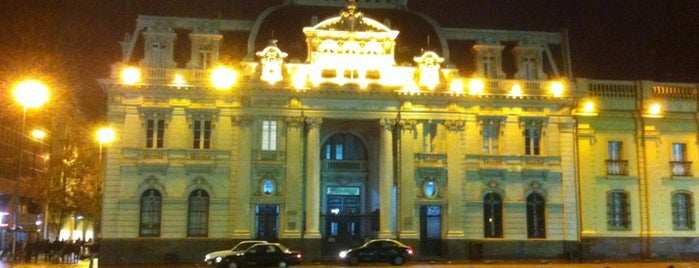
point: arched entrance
(345, 218)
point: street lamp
(104, 135)
(29, 94)
(40, 135)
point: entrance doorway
(431, 230)
(266, 217)
(343, 225)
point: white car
(215, 257)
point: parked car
(217, 256)
(261, 255)
(378, 250)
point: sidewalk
(44, 264)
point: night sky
(71, 43)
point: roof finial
(350, 17)
(351, 5)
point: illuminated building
(355, 138)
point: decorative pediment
(201, 114)
(271, 59)
(148, 113)
(429, 64)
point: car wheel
(354, 260)
(233, 265)
(282, 264)
(398, 260)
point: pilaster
(294, 178)
(239, 207)
(387, 214)
(454, 174)
(407, 214)
(313, 177)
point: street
(487, 264)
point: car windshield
(244, 245)
(283, 248)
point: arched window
(150, 215)
(198, 214)
(492, 215)
(618, 212)
(682, 211)
(536, 216)
(344, 146)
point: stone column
(407, 218)
(313, 177)
(455, 173)
(294, 177)
(239, 189)
(387, 215)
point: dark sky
(71, 43)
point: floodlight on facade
(556, 88)
(655, 110)
(456, 86)
(223, 77)
(516, 90)
(130, 75)
(178, 80)
(476, 86)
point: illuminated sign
(4, 218)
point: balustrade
(681, 168)
(617, 167)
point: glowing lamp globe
(31, 94)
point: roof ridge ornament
(351, 17)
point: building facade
(353, 136)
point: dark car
(217, 256)
(378, 250)
(261, 255)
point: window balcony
(431, 159)
(681, 168)
(617, 167)
(268, 156)
(165, 155)
(344, 165)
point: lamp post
(104, 136)
(40, 135)
(29, 94)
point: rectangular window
(679, 164)
(489, 67)
(618, 217)
(491, 134)
(205, 58)
(202, 134)
(532, 140)
(339, 154)
(269, 135)
(615, 164)
(155, 133)
(529, 69)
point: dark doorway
(267, 222)
(431, 230)
(343, 223)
